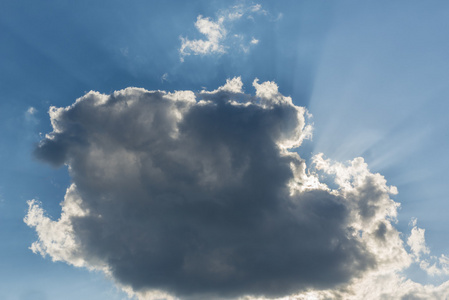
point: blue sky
(373, 75)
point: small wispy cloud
(217, 32)
(30, 115)
(124, 51)
(164, 77)
(31, 111)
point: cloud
(432, 265)
(254, 41)
(214, 32)
(30, 115)
(200, 196)
(31, 111)
(217, 38)
(417, 242)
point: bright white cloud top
(196, 195)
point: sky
(224, 150)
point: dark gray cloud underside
(194, 198)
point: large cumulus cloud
(196, 195)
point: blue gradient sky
(374, 75)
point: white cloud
(217, 40)
(256, 7)
(432, 265)
(200, 196)
(234, 85)
(214, 32)
(254, 41)
(30, 115)
(417, 242)
(31, 111)
(57, 238)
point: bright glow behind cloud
(200, 196)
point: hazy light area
(379, 92)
